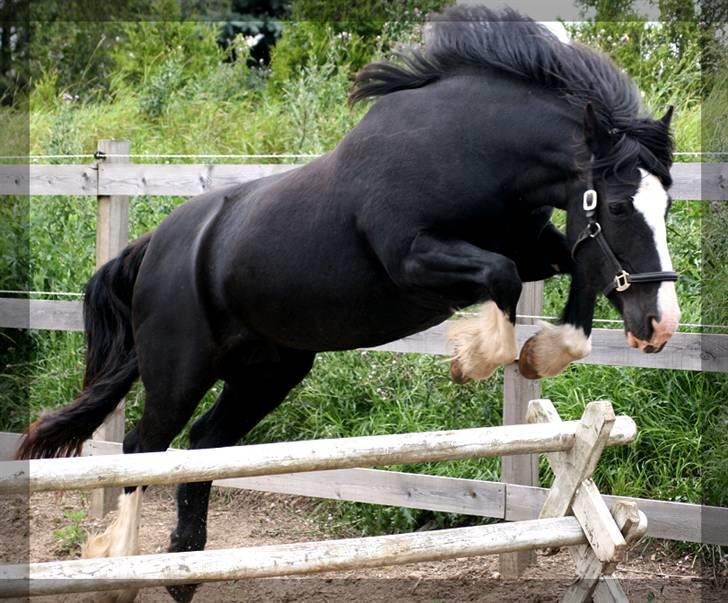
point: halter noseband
(593, 230)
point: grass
(681, 452)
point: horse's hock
(574, 514)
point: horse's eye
(620, 209)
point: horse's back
(295, 258)
(279, 259)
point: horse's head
(618, 233)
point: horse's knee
(552, 349)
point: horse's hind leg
(175, 381)
(249, 394)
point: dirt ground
(239, 519)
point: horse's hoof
(551, 350)
(456, 373)
(481, 345)
(526, 361)
(182, 593)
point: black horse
(439, 199)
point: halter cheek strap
(622, 279)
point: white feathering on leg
(120, 539)
(484, 343)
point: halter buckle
(590, 200)
(594, 229)
(621, 281)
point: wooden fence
(572, 448)
(113, 181)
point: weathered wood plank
(692, 181)
(605, 539)
(184, 180)
(700, 181)
(577, 464)
(291, 457)
(84, 575)
(685, 351)
(591, 572)
(48, 180)
(432, 341)
(41, 314)
(375, 486)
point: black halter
(593, 230)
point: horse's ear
(596, 135)
(667, 118)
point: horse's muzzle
(660, 336)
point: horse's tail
(111, 362)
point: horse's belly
(341, 323)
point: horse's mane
(509, 42)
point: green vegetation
(169, 88)
(71, 536)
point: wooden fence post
(517, 393)
(112, 235)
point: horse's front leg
(447, 274)
(554, 347)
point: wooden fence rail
(87, 575)
(692, 181)
(173, 467)
(686, 351)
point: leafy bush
(313, 44)
(148, 45)
(356, 30)
(364, 17)
(653, 54)
(159, 88)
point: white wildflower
(253, 40)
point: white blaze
(651, 201)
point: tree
(14, 69)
